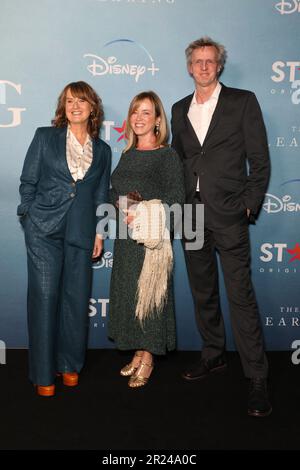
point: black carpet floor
(103, 413)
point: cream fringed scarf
(149, 228)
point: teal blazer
(48, 191)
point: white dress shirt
(200, 115)
(79, 157)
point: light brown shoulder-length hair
(85, 92)
(161, 134)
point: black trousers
(232, 244)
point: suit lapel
(95, 144)
(187, 121)
(217, 113)
(62, 151)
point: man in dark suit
(216, 131)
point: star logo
(121, 130)
(295, 251)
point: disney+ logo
(110, 65)
(286, 8)
(274, 204)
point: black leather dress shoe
(258, 401)
(205, 368)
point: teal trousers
(59, 285)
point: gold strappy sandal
(138, 379)
(130, 369)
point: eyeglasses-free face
(143, 119)
(78, 110)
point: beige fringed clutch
(149, 228)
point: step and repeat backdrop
(122, 47)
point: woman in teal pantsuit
(65, 177)
(153, 169)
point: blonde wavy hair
(161, 134)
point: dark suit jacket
(236, 135)
(48, 191)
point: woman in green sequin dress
(153, 169)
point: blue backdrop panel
(122, 47)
